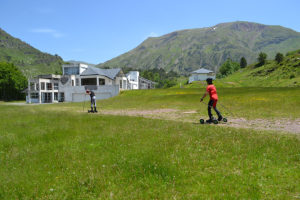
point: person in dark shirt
(212, 91)
(93, 100)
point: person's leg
(217, 111)
(92, 102)
(95, 106)
(210, 104)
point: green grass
(71, 155)
(249, 103)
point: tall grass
(59, 154)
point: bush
(227, 68)
(12, 82)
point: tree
(279, 57)
(243, 62)
(227, 68)
(262, 57)
(12, 82)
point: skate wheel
(201, 121)
(215, 121)
(224, 120)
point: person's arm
(206, 93)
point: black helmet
(209, 80)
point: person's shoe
(220, 118)
(95, 110)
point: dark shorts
(212, 103)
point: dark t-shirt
(92, 94)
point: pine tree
(243, 62)
(279, 57)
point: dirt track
(285, 125)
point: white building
(201, 75)
(76, 79)
(135, 81)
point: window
(62, 97)
(88, 81)
(42, 86)
(32, 86)
(34, 95)
(77, 81)
(71, 70)
(120, 83)
(55, 96)
(124, 84)
(55, 86)
(37, 86)
(101, 81)
(49, 86)
(72, 82)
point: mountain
(187, 50)
(28, 59)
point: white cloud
(153, 34)
(49, 31)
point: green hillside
(272, 74)
(29, 60)
(187, 50)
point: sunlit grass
(56, 151)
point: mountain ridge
(190, 49)
(28, 59)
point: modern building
(135, 81)
(201, 75)
(76, 79)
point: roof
(202, 71)
(110, 73)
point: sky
(96, 31)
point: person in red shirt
(212, 91)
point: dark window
(49, 86)
(56, 96)
(62, 97)
(120, 83)
(88, 81)
(55, 86)
(72, 82)
(34, 95)
(42, 86)
(101, 81)
(71, 70)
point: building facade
(76, 79)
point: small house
(201, 75)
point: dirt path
(286, 125)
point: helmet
(209, 80)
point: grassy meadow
(57, 151)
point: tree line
(229, 66)
(12, 82)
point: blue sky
(98, 30)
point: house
(135, 81)
(76, 79)
(201, 75)
(44, 89)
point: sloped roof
(202, 71)
(110, 73)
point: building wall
(77, 93)
(200, 77)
